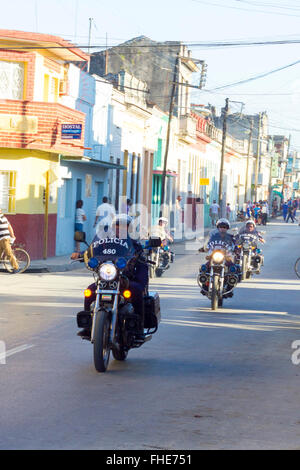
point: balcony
(187, 129)
(38, 125)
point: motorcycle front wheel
(215, 293)
(102, 340)
(244, 267)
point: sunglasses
(223, 226)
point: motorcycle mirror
(154, 242)
(79, 237)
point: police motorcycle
(161, 258)
(247, 255)
(219, 276)
(112, 319)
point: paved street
(207, 380)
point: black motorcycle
(112, 319)
(218, 277)
(161, 257)
(248, 256)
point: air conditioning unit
(63, 87)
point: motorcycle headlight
(108, 272)
(218, 257)
(246, 246)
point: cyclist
(6, 233)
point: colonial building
(36, 132)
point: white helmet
(223, 221)
(250, 222)
(163, 219)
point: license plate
(106, 297)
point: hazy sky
(192, 21)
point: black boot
(85, 333)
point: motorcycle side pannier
(152, 310)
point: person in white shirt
(214, 212)
(80, 218)
(6, 233)
(160, 231)
(105, 213)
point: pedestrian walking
(214, 213)
(228, 212)
(80, 218)
(284, 210)
(105, 213)
(264, 213)
(290, 214)
(178, 217)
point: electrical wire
(243, 9)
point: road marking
(10, 352)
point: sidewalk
(56, 264)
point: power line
(256, 77)
(161, 45)
(243, 9)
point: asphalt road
(207, 380)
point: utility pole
(171, 108)
(226, 109)
(248, 157)
(257, 157)
(106, 56)
(271, 166)
(284, 173)
(90, 39)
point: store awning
(93, 162)
(278, 193)
(168, 173)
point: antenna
(76, 16)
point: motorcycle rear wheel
(214, 294)
(102, 340)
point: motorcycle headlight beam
(218, 257)
(107, 272)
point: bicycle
(21, 256)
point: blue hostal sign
(71, 131)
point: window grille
(8, 191)
(11, 80)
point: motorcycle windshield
(112, 249)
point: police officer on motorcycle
(135, 275)
(220, 238)
(250, 229)
(220, 235)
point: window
(46, 87)
(11, 80)
(54, 90)
(8, 191)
